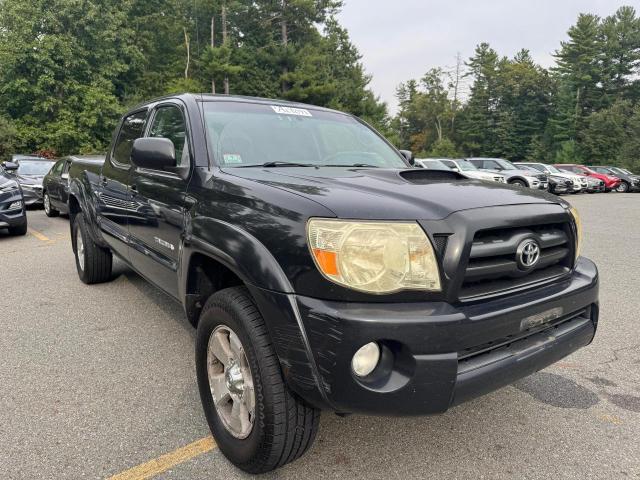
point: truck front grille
(496, 263)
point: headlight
(374, 257)
(576, 218)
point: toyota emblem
(528, 254)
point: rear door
(114, 204)
(156, 226)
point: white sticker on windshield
(291, 111)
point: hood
(30, 179)
(480, 174)
(519, 173)
(391, 194)
(569, 176)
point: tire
(18, 230)
(284, 426)
(623, 187)
(92, 261)
(49, 211)
(518, 183)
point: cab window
(132, 128)
(169, 123)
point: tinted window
(169, 123)
(57, 168)
(132, 128)
(449, 164)
(248, 134)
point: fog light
(366, 359)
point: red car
(610, 182)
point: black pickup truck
(322, 271)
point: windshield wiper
(279, 164)
(361, 165)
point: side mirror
(409, 157)
(455, 169)
(153, 153)
(10, 166)
(64, 176)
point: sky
(402, 39)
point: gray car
(513, 174)
(29, 172)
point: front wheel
(48, 209)
(93, 262)
(518, 183)
(257, 422)
(623, 187)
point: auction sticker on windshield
(291, 111)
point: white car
(463, 167)
(579, 182)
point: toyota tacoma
(323, 271)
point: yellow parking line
(165, 462)
(38, 235)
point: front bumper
(435, 355)
(13, 217)
(32, 195)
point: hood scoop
(420, 176)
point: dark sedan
(29, 172)
(12, 213)
(629, 182)
(55, 186)
(560, 185)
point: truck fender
(80, 190)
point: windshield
(552, 169)
(250, 134)
(32, 167)
(621, 171)
(433, 165)
(505, 164)
(466, 165)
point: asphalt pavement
(98, 381)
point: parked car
(628, 182)
(624, 170)
(322, 271)
(514, 175)
(29, 172)
(557, 185)
(595, 185)
(560, 185)
(461, 166)
(13, 215)
(611, 182)
(55, 186)
(579, 183)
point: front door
(157, 225)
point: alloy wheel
(80, 248)
(230, 381)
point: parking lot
(99, 381)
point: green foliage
(69, 68)
(585, 109)
(443, 148)
(8, 138)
